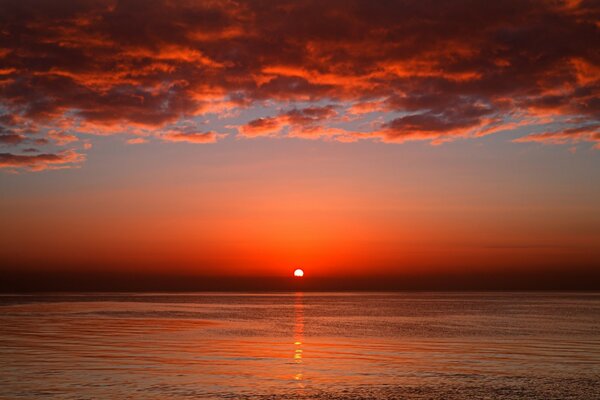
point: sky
(359, 140)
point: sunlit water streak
(301, 345)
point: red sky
(352, 138)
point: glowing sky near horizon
(240, 138)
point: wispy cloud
(40, 162)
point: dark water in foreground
(301, 346)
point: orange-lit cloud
(573, 135)
(194, 137)
(40, 162)
(305, 119)
(138, 140)
(262, 127)
(436, 71)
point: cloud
(310, 115)
(62, 138)
(458, 120)
(194, 137)
(40, 162)
(11, 138)
(298, 119)
(262, 127)
(438, 71)
(137, 140)
(572, 135)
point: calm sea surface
(300, 346)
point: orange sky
(333, 211)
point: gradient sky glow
(347, 138)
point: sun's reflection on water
(298, 336)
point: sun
(298, 273)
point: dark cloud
(39, 162)
(8, 119)
(11, 139)
(310, 115)
(453, 120)
(447, 67)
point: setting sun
(298, 273)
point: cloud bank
(391, 71)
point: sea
(355, 345)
